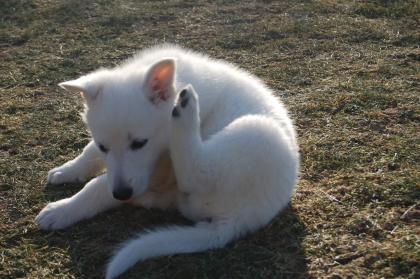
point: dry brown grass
(348, 71)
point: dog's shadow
(272, 252)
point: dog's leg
(84, 166)
(91, 200)
(186, 143)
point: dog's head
(127, 112)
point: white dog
(233, 148)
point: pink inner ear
(159, 90)
(159, 80)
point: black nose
(122, 193)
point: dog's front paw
(56, 215)
(66, 173)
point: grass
(348, 71)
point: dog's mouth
(125, 200)
(127, 193)
(129, 198)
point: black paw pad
(184, 101)
(175, 112)
(183, 92)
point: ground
(347, 70)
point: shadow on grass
(273, 252)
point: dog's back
(226, 92)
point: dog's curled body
(233, 147)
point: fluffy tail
(169, 241)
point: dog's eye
(137, 144)
(103, 148)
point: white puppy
(233, 149)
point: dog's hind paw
(187, 103)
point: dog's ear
(89, 90)
(160, 79)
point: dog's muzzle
(122, 193)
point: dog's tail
(172, 240)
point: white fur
(233, 149)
